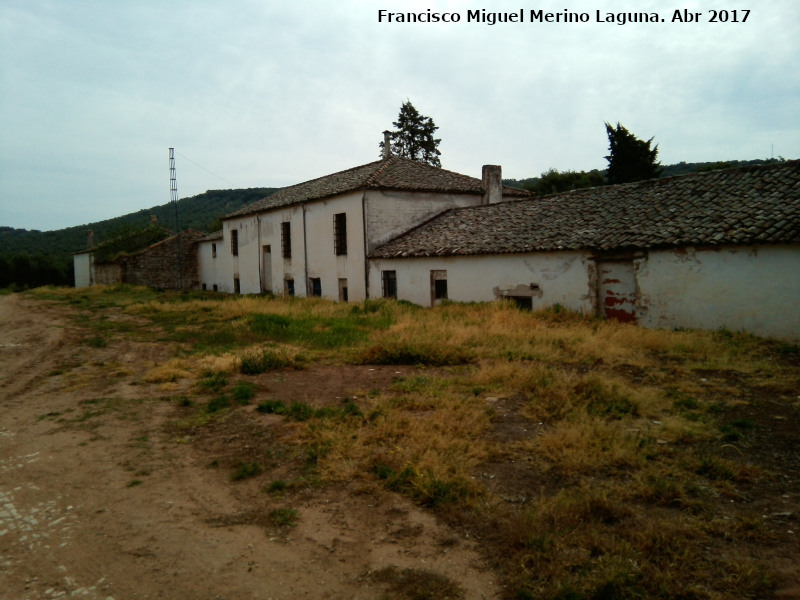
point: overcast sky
(268, 93)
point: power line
(207, 170)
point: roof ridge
(371, 179)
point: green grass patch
(247, 471)
(219, 403)
(243, 392)
(408, 353)
(283, 517)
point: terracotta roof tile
(394, 173)
(737, 206)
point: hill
(29, 258)
(554, 182)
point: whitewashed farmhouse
(314, 238)
(713, 250)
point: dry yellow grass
(627, 425)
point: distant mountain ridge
(553, 181)
(33, 258)
(195, 212)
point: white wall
(245, 266)
(388, 213)
(283, 268)
(322, 261)
(755, 289)
(549, 278)
(208, 266)
(84, 277)
(385, 214)
(751, 288)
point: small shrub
(97, 341)
(218, 403)
(212, 382)
(417, 584)
(277, 486)
(405, 353)
(606, 399)
(271, 407)
(714, 469)
(299, 411)
(246, 471)
(243, 392)
(283, 517)
(267, 359)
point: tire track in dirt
(98, 501)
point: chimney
(492, 184)
(89, 239)
(387, 144)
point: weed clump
(268, 359)
(219, 403)
(246, 471)
(410, 353)
(417, 584)
(243, 392)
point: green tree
(553, 181)
(630, 159)
(413, 137)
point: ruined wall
(108, 273)
(171, 264)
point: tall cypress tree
(630, 159)
(413, 137)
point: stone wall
(170, 264)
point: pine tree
(413, 137)
(630, 159)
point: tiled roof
(746, 205)
(394, 173)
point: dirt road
(99, 499)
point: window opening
(315, 283)
(340, 234)
(389, 281)
(234, 242)
(286, 239)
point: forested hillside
(553, 181)
(29, 258)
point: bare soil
(104, 495)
